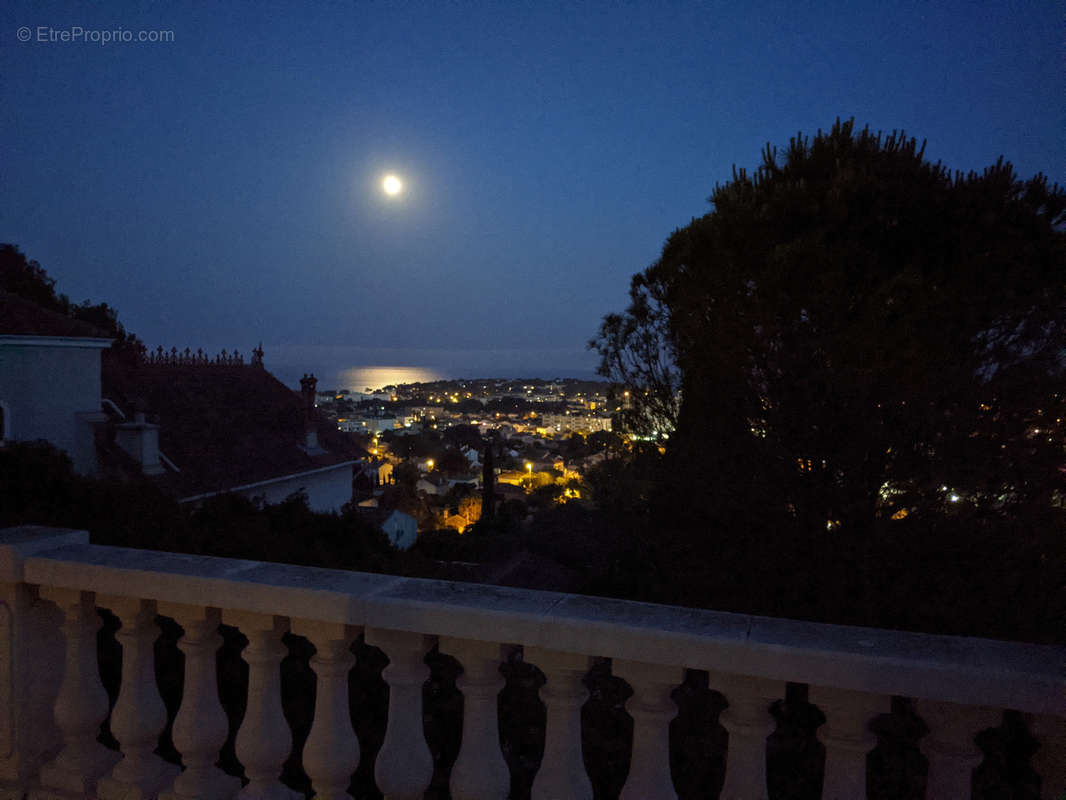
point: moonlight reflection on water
(359, 379)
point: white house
(401, 528)
(50, 380)
(50, 389)
(427, 487)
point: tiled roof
(223, 426)
(21, 317)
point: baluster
(264, 740)
(748, 722)
(847, 738)
(27, 733)
(404, 765)
(139, 715)
(562, 772)
(950, 747)
(480, 772)
(652, 709)
(201, 727)
(331, 754)
(14, 601)
(1050, 760)
(82, 702)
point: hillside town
(545, 434)
(408, 459)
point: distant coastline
(357, 369)
(359, 379)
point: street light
(429, 464)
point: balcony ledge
(962, 670)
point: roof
(22, 317)
(507, 491)
(223, 426)
(379, 515)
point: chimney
(307, 390)
(141, 441)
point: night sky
(225, 188)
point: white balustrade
(20, 755)
(139, 715)
(12, 773)
(963, 685)
(652, 709)
(200, 727)
(562, 771)
(264, 740)
(331, 753)
(12, 602)
(480, 772)
(30, 636)
(404, 765)
(82, 704)
(950, 747)
(847, 738)
(748, 722)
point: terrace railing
(52, 700)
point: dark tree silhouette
(866, 343)
(637, 353)
(28, 279)
(488, 480)
(857, 328)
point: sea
(359, 369)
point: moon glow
(392, 185)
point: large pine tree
(868, 346)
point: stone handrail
(961, 685)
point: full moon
(392, 185)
